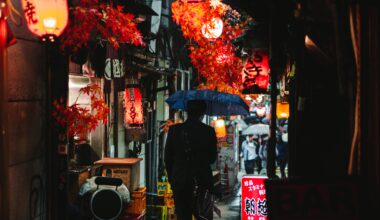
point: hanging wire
(13, 13)
(355, 35)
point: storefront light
(46, 18)
(282, 110)
(220, 128)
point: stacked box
(169, 200)
(137, 205)
(158, 212)
(171, 214)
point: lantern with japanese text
(134, 116)
(46, 18)
(255, 76)
(282, 110)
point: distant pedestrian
(250, 155)
(282, 150)
(263, 153)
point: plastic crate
(157, 212)
(169, 200)
(139, 193)
(137, 205)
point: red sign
(255, 76)
(134, 116)
(314, 198)
(253, 198)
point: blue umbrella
(218, 103)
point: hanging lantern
(255, 76)
(282, 110)
(46, 18)
(260, 111)
(213, 29)
(134, 116)
(220, 128)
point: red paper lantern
(134, 116)
(255, 76)
(46, 18)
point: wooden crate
(127, 169)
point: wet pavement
(230, 205)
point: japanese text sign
(253, 198)
(255, 75)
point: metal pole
(271, 164)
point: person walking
(191, 148)
(250, 154)
(263, 153)
(282, 151)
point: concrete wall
(26, 126)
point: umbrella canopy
(218, 103)
(256, 129)
(240, 123)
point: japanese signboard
(255, 75)
(318, 198)
(253, 198)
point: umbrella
(218, 103)
(240, 123)
(256, 129)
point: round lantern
(282, 110)
(260, 111)
(213, 29)
(46, 18)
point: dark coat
(202, 142)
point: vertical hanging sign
(133, 107)
(255, 75)
(253, 198)
(114, 64)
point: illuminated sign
(253, 198)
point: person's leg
(282, 164)
(249, 166)
(183, 201)
(258, 164)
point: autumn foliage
(78, 119)
(214, 59)
(92, 19)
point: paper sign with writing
(253, 198)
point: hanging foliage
(92, 19)
(80, 120)
(214, 59)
